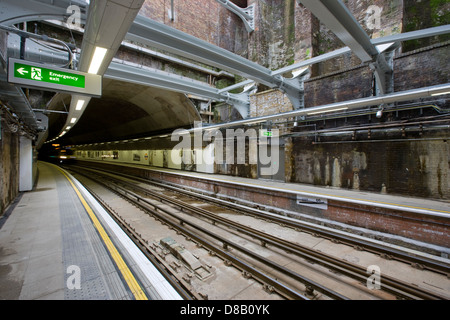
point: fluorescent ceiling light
(440, 93)
(324, 111)
(73, 120)
(80, 104)
(68, 127)
(97, 59)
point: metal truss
(336, 16)
(154, 34)
(169, 81)
(151, 33)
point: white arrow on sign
(22, 71)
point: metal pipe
(24, 35)
(374, 127)
(384, 140)
(352, 104)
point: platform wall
(9, 173)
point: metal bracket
(294, 88)
(246, 14)
(240, 101)
(383, 67)
(383, 75)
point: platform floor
(51, 247)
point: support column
(25, 164)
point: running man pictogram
(36, 73)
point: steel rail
(177, 223)
(387, 252)
(178, 284)
(389, 284)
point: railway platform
(56, 243)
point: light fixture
(68, 127)
(440, 93)
(79, 105)
(73, 120)
(97, 59)
(330, 110)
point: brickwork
(269, 102)
(206, 20)
(408, 225)
(422, 67)
(344, 85)
(418, 168)
(9, 173)
(414, 168)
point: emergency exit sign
(266, 133)
(35, 75)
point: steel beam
(336, 16)
(158, 35)
(169, 81)
(155, 34)
(106, 26)
(396, 38)
(408, 95)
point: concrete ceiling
(125, 111)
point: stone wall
(206, 20)
(9, 173)
(422, 67)
(269, 102)
(411, 163)
(413, 168)
(425, 14)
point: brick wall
(206, 20)
(9, 173)
(269, 102)
(414, 168)
(422, 67)
(418, 168)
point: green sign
(48, 75)
(40, 76)
(267, 133)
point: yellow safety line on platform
(122, 266)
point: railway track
(387, 252)
(155, 204)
